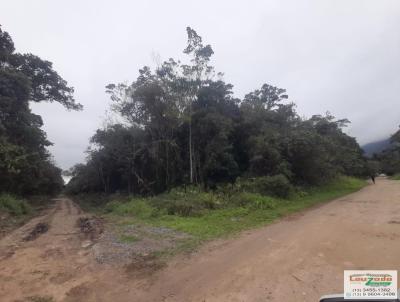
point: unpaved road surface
(56, 264)
(297, 259)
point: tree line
(180, 124)
(26, 166)
(388, 160)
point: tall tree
(26, 166)
(194, 77)
(183, 125)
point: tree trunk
(190, 150)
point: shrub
(395, 177)
(183, 208)
(13, 205)
(242, 199)
(277, 185)
(189, 202)
(208, 200)
(112, 206)
(177, 206)
(260, 202)
(253, 201)
(135, 207)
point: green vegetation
(206, 215)
(395, 177)
(199, 159)
(182, 126)
(14, 212)
(12, 205)
(26, 166)
(203, 162)
(389, 159)
(137, 206)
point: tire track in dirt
(53, 264)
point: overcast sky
(341, 56)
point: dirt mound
(92, 227)
(39, 229)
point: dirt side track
(296, 259)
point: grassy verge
(395, 177)
(208, 216)
(15, 211)
(222, 222)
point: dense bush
(186, 202)
(228, 208)
(13, 205)
(389, 159)
(277, 185)
(192, 202)
(253, 201)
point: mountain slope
(376, 147)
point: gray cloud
(331, 55)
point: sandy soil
(297, 259)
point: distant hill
(376, 147)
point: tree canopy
(26, 166)
(182, 125)
(389, 159)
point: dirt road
(296, 259)
(49, 266)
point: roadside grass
(395, 177)
(15, 211)
(224, 222)
(14, 206)
(205, 216)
